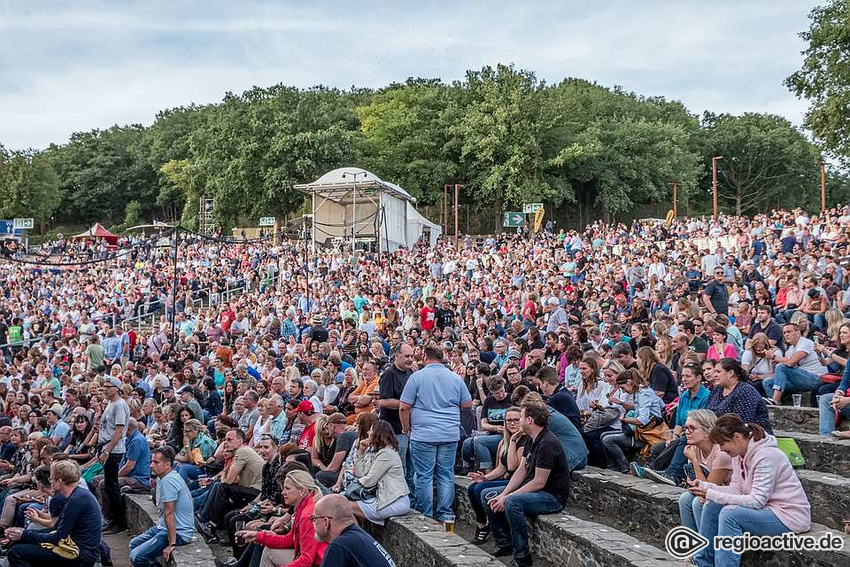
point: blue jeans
(480, 493)
(690, 510)
(511, 527)
(147, 547)
(732, 521)
(676, 468)
(826, 415)
(200, 495)
(484, 447)
(404, 454)
(189, 473)
(434, 461)
(791, 379)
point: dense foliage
(507, 136)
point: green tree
(825, 77)
(29, 186)
(766, 161)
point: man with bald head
(390, 387)
(348, 544)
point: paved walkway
(120, 546)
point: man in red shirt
(428, 315)
(227, 317)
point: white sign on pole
(24, 224)
(531, 208)
(267, 221)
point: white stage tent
(351, 204)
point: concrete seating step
(803, 420)
(829, 495)
(825, 454)
(649, 510)
(564, 539)
(414, 539)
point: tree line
(509, 137)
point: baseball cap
(57, 409)
(306, 406)
(112, 381)
(513, 353)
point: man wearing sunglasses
(715, 296)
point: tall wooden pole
(457, 217)
(675, 185)
(822, 186)
(714, 181)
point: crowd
(343, 389)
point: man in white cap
(110, 445)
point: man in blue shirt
(176, 524)
(429, 411)
(111, 349)
(78, 524)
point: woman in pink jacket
(765, 496)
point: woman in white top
(756, 361)
(591, 390)
(263, 422)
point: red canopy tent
(97, 231)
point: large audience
(275, 400)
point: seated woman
(607, 417)
(377, 465)
(647, 411)
(323, 449)
(299, 546)
(198, 451)
(706, 462)
(484, 486)
(834, 358)
(483, 446)
(720, 347)
(757, 363)
(765, 496)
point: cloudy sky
(71, 66)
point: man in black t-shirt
(715, 296)
(445, 316)
(349, 545)
(390, 386)
(540, 485)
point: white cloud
(70, 67)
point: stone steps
(648, 510)
(825, 454)
(802, 420)
(829, 495)
(564, 539)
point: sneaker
(230, 562)
(207, 531)
(659, 476)
(638, 470)
(504, 551)
(481, 534)
(769, 402)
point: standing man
(110, 442)
(430, 414)
(176, 524)
(348, 544)
(391, 385)
(715, 296)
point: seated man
(175, 525)
(349, 544)
(484, 445)
(77, 527)
(239, 484)
(540, 485)
(799, 370)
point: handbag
(601, 418)
(356, 491)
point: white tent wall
(417, 224)
(394, 232)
